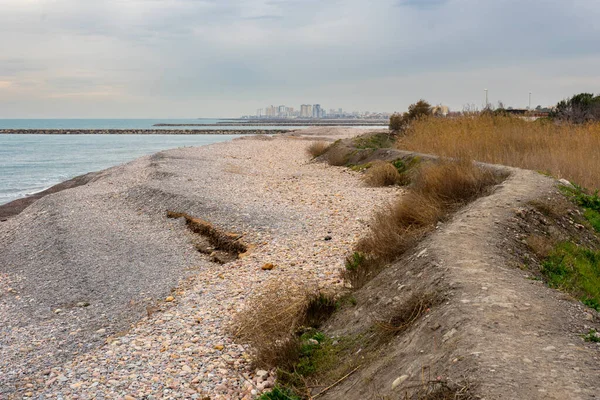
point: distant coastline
(142, 131)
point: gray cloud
(180, 58)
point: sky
(226, 58)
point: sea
(30, 163)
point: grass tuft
(382, 174)
(404, 315)
(317, 149)
(272, 317)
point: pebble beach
(102, 296)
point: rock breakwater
(143, 131)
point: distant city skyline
(312, 111)
(190, 58)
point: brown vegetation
(272, 317)
(382, 174)
(563, 150)
(406, 314)
(317, 149)
(439, 189)
(337, 156)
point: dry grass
(316, 149)
(272, 317)
(565, 151)
(541, 246)
(439, 189)
(382, 174)
(337, 156)
(406, 314)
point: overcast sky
(210, 58)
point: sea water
(30, 163)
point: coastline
(15, 207)
(91, 267)
(143, 131)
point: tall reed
(562, 150)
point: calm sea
(31, 163)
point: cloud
(229, 57)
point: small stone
(327, 238)
(83, 304)
(57, 311)
(128, 397)
(219, 347)
(398, 381)
(268, 267)
(169, 299)
(261, 373)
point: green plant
(592, 336)
(373, 141)
(575, 270)
(279, 393)
(589, 202)
(359, 269)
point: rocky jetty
(143, 131)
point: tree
(580, 108)
(396, 122)
(418, 110)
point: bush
(272, 317)
(438, 190)
(382, 174)
(337, 156)
(317, 149)
(581, 108)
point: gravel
(85, 273)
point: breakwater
(143, 131)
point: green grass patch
(589, 202)
(592, 336)
(376, 141)
(279, 393)
(360, 167)
(575, 270)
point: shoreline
(15, 207)
(143, 131)
(102, 259)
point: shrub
(272, 317)
(396, 122)
(438, 190)
(317, 149)
(337, 156)
(279, 393)
(382, 174)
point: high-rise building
(306, 111)
(316, 111)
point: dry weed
(439, 189)
(406, 314)
(541, 246)
(382, 174)
(272, 317)
(337, 156)
(316, 149)
(563, 150)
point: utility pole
(530, 100)
(486, 98)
